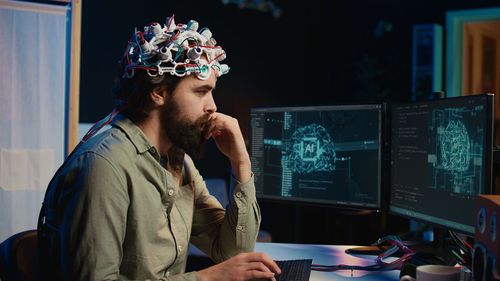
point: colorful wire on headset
(99, 124)
(172, 49)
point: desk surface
(327, 255)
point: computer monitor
(441, 158)
(322, 155)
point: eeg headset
(175, 50)
(169, 50)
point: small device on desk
(368, 250)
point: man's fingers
(257, 266)
(212, 127)
(263, 258)
(256, 274)
(269, 262)
(211, 131)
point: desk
(327, 255)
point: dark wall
(284, 61)
(317, 52)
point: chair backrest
(18, 257)
(218, 188)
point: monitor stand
(435, 252)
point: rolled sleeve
(221, 233)
(247, 213)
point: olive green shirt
(122, 216)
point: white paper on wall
(22, 169)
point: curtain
(33, 97)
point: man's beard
(184, 134)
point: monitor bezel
(379, 206)
(488, 158)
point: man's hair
(133, 94)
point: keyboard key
(294, 270)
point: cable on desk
(464, 256)
(380, 264)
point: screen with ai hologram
(318, 154)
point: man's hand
(227, 135)
(244, 266)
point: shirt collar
(134, 133)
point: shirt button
(238, 194)
(170, 192)
(152, 150)
(168, 273)
(239, 227)
(180, 248)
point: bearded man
(126, 202)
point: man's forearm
(242, 170)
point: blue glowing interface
(441, 159)
(324, 154)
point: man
(126, 202)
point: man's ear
(159, 96)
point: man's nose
(210, 107)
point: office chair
(18, 257)
(218, 188)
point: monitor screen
(441, 158)
(329, 155)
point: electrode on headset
(174, 49)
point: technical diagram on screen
(318, 154)
(441, 153)
(457, 152)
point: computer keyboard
(294, 270)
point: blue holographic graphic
(311, 150)
(455, 147)
(457, 152)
